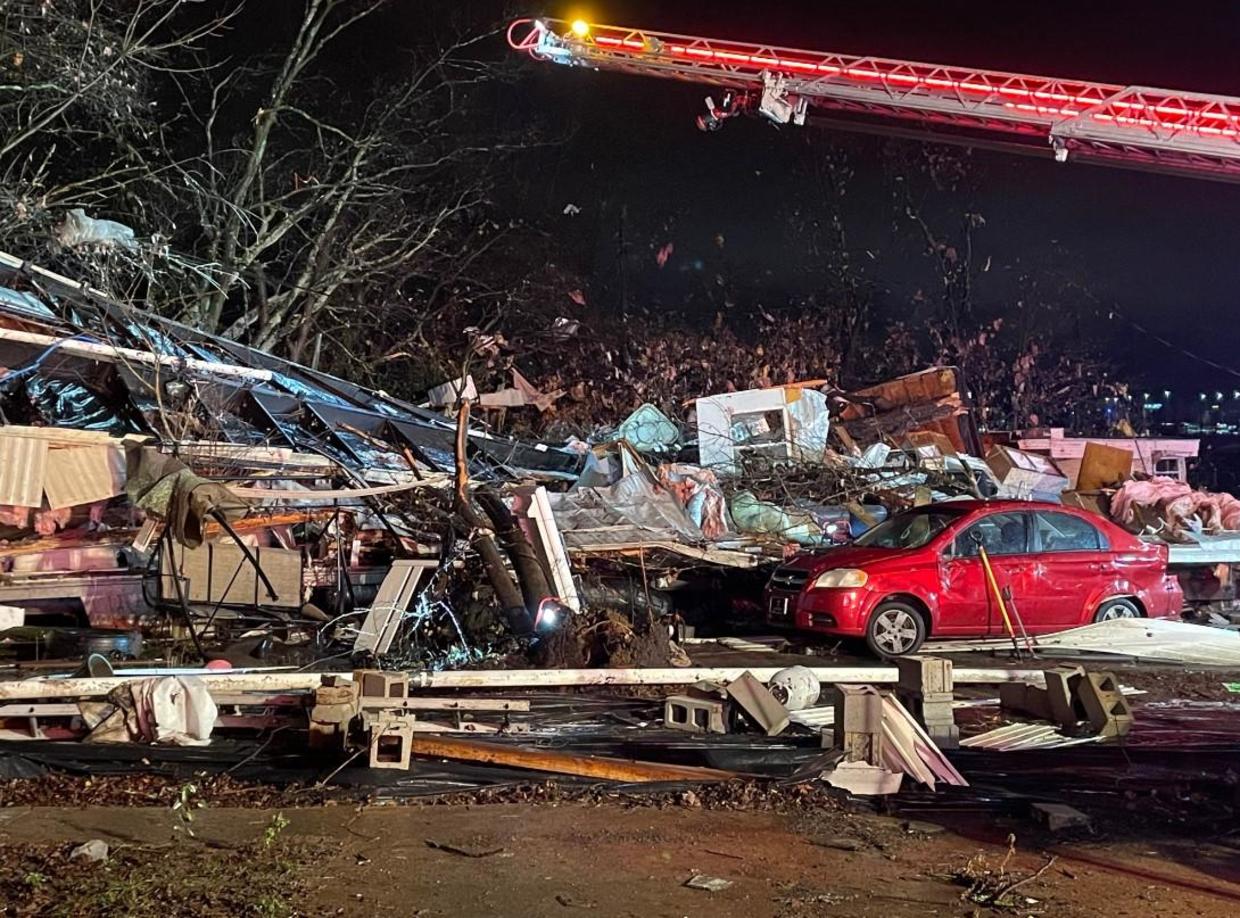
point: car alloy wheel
(1117, 608)
(896, 631)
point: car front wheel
(895, 629)
(1117, 608)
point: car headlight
(843, 577)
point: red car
(920, 574)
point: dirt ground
(606, 858)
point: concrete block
(925, 675)
(1021, 698)
(1105, 706)
(1062, 683)
(694, 714)
(1059, 816)
(390, 743)
(858, 727)
(345, 693)
(945, 736)
(333, 713)
(378, 685)
(325, 736)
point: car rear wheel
(1117, 608)
(895, 629)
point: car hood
(852, 556)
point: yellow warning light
(581, 28)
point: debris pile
(203, 541)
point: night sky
(1161, 249)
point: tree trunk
(533, 577)
(470, 523)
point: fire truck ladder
(1158, 129)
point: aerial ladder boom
(1161, 129)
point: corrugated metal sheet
(83, 474)
(1024, 736)
(23, 465)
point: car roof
(998, 506)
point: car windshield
(908, 530)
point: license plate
(779, 607)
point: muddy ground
(600, 858)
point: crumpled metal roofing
(272, 401)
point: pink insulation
(1174, 508)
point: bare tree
(333, 197)
(78, 104)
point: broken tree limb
(562, 763)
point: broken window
(1065, 532)
(1169, 468)
(999, 534)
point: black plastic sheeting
(585, 725)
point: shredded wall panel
(83, 475)
(23, 468)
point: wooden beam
(446, 704)
(507, 679)
(544, 678)
(563, 763)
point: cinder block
(336, 694)
(858, 728)
(937, 714)
(694, 714)
(925, 675)
(1105, 705)
(945, 736)
(1062, 684)
(1059, 816)
(390, 742)
(1025, 699)
(333, 713)
(327, 736)
(378, 685)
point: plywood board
(23, 467)
(1103, 466)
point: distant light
(581, 28)
(1203, 396)
(1218, 396)
(1166, 393)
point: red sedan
(920, 574)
